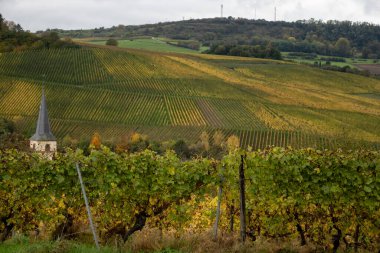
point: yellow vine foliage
(205, 140)
(136, 137)
(218, 138)
(95, 141)
(233, 142)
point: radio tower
(275, 14)
(221, 11)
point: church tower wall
(43, 146)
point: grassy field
(49, 247)
(153, 44)
(178, 96)
(150, 241)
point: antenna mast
(221, 11)
(275, 14)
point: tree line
(257, 51)
(14, 38)
(340, 38)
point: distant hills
(337, 38)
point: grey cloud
(256, 4)
(263, 3)
(372, 6)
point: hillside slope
(174, 96)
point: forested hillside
(340, 38)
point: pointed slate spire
(43, 132)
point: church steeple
(43, 132)
(43, 141)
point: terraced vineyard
(173, 96)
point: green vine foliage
(320, 197)
(313, 194)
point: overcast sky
(73, 14)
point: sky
(36, 15)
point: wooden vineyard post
(88, 208)
(218, 205)
(232, 213)
(242, 200)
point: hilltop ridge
(339, 38)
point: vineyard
(323, 198)
(172, 96)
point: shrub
(111, 42)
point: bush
(335, 59)
(112, 42)
(6, 126)
(257, 51)
(303, 55)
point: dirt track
(372, 68)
